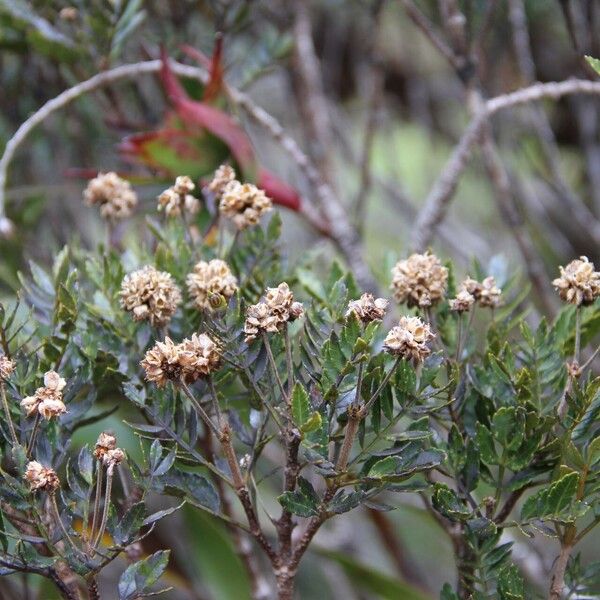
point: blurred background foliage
(381, 78)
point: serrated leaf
(139, 577)
(301, 411)
(313, 423)
(552, 500)
(594, 63)
(303, 501)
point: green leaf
(303, 501)
(593, 452)
(485, 441)
(552, 500)
(312, 423)
(510, 584)
(139, 577)
(594, 63)
(508, 426)
(130, 524)
(448, 504)
(301, 412)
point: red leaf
(280, 192)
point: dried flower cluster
(223, 176)
(409, 339)
(463, 302)
(113, 457)
(420, 280)
(47, 400)
(41, 478)
(487, 294)
(105, 443)
(579, 283)
(178, 200)
(210, 282)
(112, 194)
(271, 314)
(192, 359)
(150, 295)
(7, 366)
(368, 308)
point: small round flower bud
(244, 204)
(296, 311)
(53, 381)
(106, 441)
(463, 302)
(367, 308)
(409, 339)
(41, 478)
(210, 279)
(579, 283)
(113, 195)
(420, 280)
(223, 176)
(150, 295)
(7, 366)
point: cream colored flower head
(368, 308)
(106, 441)
(178, 199)
(47, 400)
(579, 283)
(420, 280)
(161, 363)
(490, 293)
(7, 366)
(41, 478)
(223, 176)
(244, 204)
(114, 196)
(150, 295)
(113, 457)
(199, 357)
(271, 314)
(463, 302)
(209, 279)
(409, 339)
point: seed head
(41, 478)
(223, 176)
(579, 283)
(367, 308)
(150, 295)
(199, 356)
(244, 204)
(463, 302)
(409, 339)
(161, 363)
(420, 280)
(7, 366)
(47, 400)
(209, 279)
(113, 195)
(106, 441)
(490, 293)
(113, 457)
(178, 199)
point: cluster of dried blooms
(150, 295)
(210, 282)
(271, 314)
(7, 366)
(420, 280)
(48, 400)
(486, 293)
(106, 442)
(114, 196)
(409, 339)
(243, 203)
(579, 282)
(178, 199)
(368, 308)
(194, 358)
(41, 478)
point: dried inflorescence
(178, 200)
(210, 282)
(420, 280)
(579, 283)
(409, 339)
(368, 308)
(106, 442)
(223, 176)
(244, 204)
(150, 295)
(271, 314)
(112, 458)
(7, 366)
(113, 195)
(41, 478)
(47, 400)
(487, 294)
(463, 302)
(192, 359)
